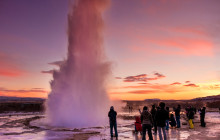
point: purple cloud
(191, 85)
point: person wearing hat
(112, 120)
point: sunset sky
(167, 49)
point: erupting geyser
(78, 95)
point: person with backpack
(147, 123)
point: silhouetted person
(172, 121)
(147, 123)
(161, 117)
(187, 111)
(195, 110)
(191, 117)
(202, 117)
(153, 113)
(158, 108)
(112, 120)
(177, 114)
(167, 121)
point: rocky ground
(22, 126)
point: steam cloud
(78, 97)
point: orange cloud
(34, 92)
(143, 91)
(136, 92)
(165, 91)
(142, 83)
(176, 83)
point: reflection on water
(13, 128)
(172, 134)
(213, 117)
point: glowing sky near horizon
(167, 49)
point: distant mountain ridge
(208, 98)
(31, 99)
(22, 99)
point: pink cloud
(189, 30)
(9, 67)
(10, 73)
(184, 46)
(118, 78)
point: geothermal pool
(31, 126)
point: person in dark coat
(167, 121)
(147, 123)
(161, 116)
(195, 110)
(177, 114)
(202, 117)
(153, 113)
(112, 120)
(172, 121)
(187, 111)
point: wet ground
(30, 126)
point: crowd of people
(159, 118)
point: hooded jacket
(146, 118)
(112, 116)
